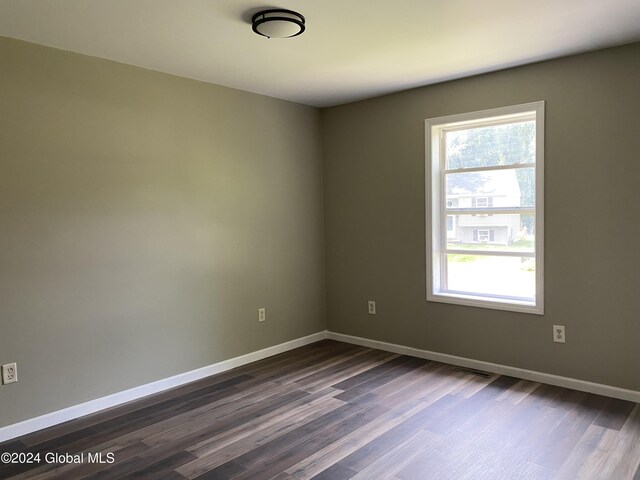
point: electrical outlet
(9, 373)
(262, 314)
(372, 307)
(558, 334)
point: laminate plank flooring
(334, 411)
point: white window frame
(436, 233)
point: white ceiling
(352, 49)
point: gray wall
(375, 220)
(143, 220)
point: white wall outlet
(372, 307)
(9, 373)
(558, 334)
(262, 314)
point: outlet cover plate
(558, 334)
(372, 307)
(9, 373)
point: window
(480, 202)
(451, 227)
(483, 235)
(484, 198)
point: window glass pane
(491, 189)
(485, 204)
(450, 225)
(495, 232)
(492, 145)
(481, 274)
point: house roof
(483, 184)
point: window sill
(520, 306)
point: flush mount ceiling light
(278, 23)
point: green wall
(144, 218)
(374, 192)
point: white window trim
(434, 183)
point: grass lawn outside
(512, 276)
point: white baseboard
(582, 385)
(92, 406)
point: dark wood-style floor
(332, 411)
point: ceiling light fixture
(278, 23)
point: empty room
(320, 240)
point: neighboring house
(483, 190)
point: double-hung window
(484, 196)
